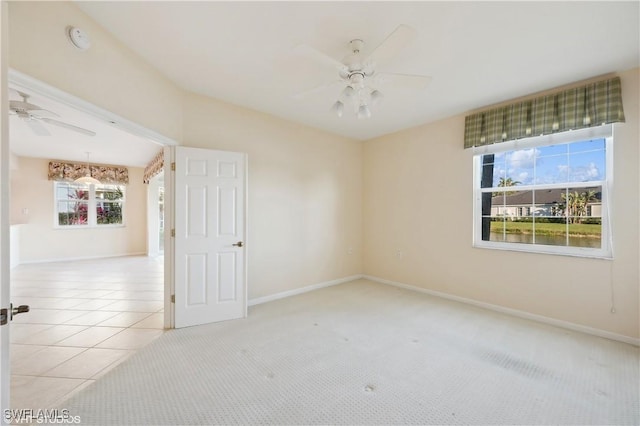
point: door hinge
(173, 298)
(173, 166)
(4, 316)
(173, 232)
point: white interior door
(209, 242)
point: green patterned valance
(585, 106)
(68, 172)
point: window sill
(601, 254)
(87, 227)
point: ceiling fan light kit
(338, 108)
(88, 179)
(359, 75)
(364, 111)
(376, 97)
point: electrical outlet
(350, 250)
(399, 254)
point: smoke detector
(78, 37)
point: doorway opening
(95, 294)
(155, 216)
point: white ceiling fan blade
(36, 127)
(68, 126)
(317, 89)
(407, 81)
(398, 39)
(28, 108)
(323, 58)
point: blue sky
(574, 162)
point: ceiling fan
(33, 116)
(359, 74)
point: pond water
(549, 240)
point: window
(93, 206)
(548, 194)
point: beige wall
(418, 199)
(305, 194)
(41, 241)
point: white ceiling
(478, 54)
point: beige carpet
(366, 353)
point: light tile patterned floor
(86, 317)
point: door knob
(19, 310)
(238, 244)
(7, 314)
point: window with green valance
(590, 105)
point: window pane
(552, 169)
(520, 166)
(584, 206)
(515, 204)
(586, 234)
(497, 229)
(78, 193)
(587, 166)
(64, 207)
(519, 230)
(551, 233)
(492, 170)
(72, 213)
(109, 213)
(549, 203)
(550, 219)
(551, 222)
(62, 192)
(109, 193)
(553, 150)
(68, 191)
(583, 203)
(585, 146)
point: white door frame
(5, 285)
(169, 247)
(153, 217)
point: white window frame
(92, 216)
(606, 249)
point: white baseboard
(70, 259)
(282, 295)
(514, 312)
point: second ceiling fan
(33, 116)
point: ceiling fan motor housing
(356, 79)
(353, 61)
(356, 45)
